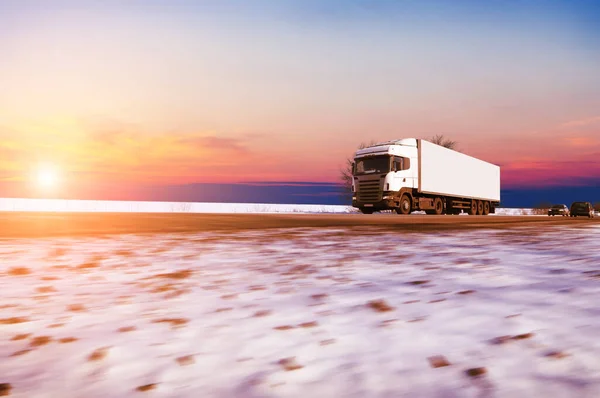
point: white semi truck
(413, 174)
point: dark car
(558, 210)
(582, 209)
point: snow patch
(303, 312)
(60, 205)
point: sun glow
(46, 176)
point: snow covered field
(351, 312)
(59, 205)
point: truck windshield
(374, 164)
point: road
(20, 225)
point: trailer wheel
(479, 208)
(438, 206)
(473, 210)
(405, 205)
(486, 208)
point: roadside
(32, 225)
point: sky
(117, 98)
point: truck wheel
(479, 208)
(486, 208)
(364, 210)
(405, 205)
(473, 210)
(438, 206)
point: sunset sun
(46, 176)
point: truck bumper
(388, 201)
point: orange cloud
(129, 154)
(581, 141)
(122, 154)
(215, 143)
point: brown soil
(99, 354)
(438, 361)
(146, 387)
(13, 320)
(379, 306)
(38, 224)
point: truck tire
(486, 208)
(479, 208)
(473, 210)
(438, 207)
(405, 205)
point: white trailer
(413, 174)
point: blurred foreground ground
(37, 224)
(329, 311)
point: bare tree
(439, 139)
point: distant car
(559, 210)
(584, 209)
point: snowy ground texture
(303, 313)
(61, 205)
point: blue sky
(186, 92)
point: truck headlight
(386, 197)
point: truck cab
(382, 172)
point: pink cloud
(549, 173)
(582, 122)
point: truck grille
(369, 191)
